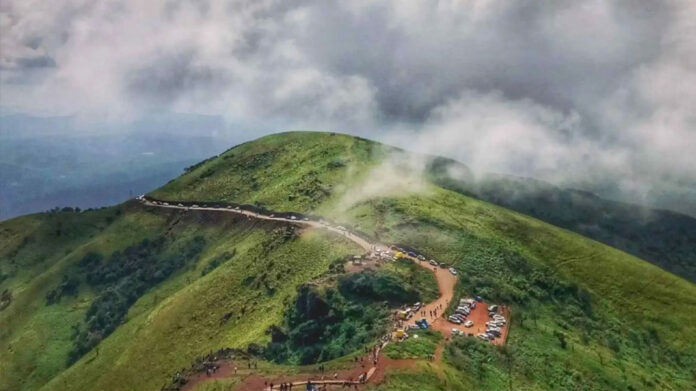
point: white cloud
(601, 92)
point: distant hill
(665, 238)
(123, 298)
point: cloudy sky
(593, 94)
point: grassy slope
(627, 293)
(314, 171)
(186, 308)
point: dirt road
(433, 311)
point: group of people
(432, 313)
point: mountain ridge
(586, 315)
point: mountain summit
(217, 281)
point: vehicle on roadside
(484, 336)
(456, 332)
(181, 205)
(305, 219)
(453, 271)
(194, 206)
(411, 254)
(417, 306)
(433, 262)
(421, 258)
(236, 208)
(293, 218)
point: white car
(293, 218)
(433, 262)
(456, 332)
(453, 271)
(468, 323)
(194, 206)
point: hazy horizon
(598, 95)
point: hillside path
(433, 311)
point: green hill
(122, 298)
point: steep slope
(302, 169)
(585, 316)
(260, 267)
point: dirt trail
(446, 282)
(433, 311)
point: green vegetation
(324, 325)
(584, 315)
(665, 238)
(294, 171)
(327, 322)
(419, 344)
(122, 280)
(415, 278)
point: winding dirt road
(446, 282)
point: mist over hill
(88, 296)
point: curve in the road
(445, 280)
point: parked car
(453, 271)
(485, 337)
(433, 262)
(417, 306)
(493, 308)
(454, 319)
(479, 299)
(456, 332)
(469, 323)
(411, 254)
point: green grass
(421, 279)
(585, 315)
(419, 345)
